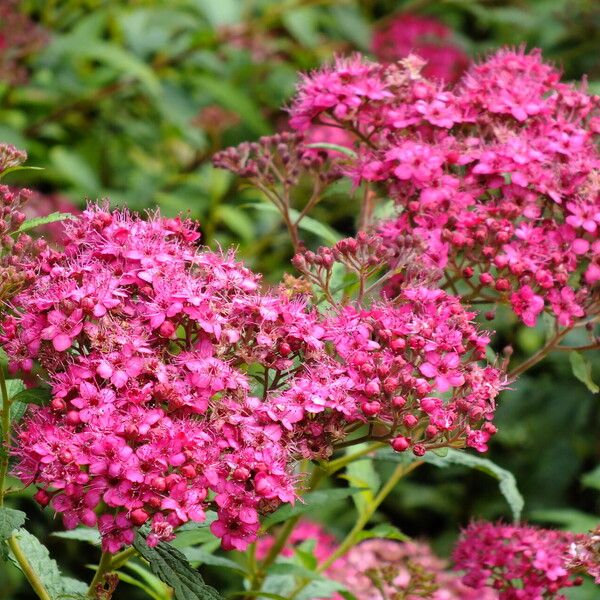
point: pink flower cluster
(497, 177)
(178, 385)
(424, 36)
(380, 568)
(520, 562)
(148, 342)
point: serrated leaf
(309, 501)
(81, 534)
(327, 146)
(582, 369)
(506, 480)
(37, 396)
(39, 558)
(10, 521)
(172, 567)
(14, 386)
(54, 217)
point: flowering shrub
(185, 395)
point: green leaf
(327, 146)
(14, 386)
(571, 519)
(506, 480)
(384, 531)
(37, 221)
(308, 502)
(154, 583)
(127, 578)
(326, 233)
(81, 534)
(19, 168)
(198, 556)
(74, 169)
(10, 521)
(39, 558)
(123, 61)
(303, 24)
(172, 567)
(362, 473)
(223, 12)
(592, 479)
(258, 594)
(582, 369)
(39, 396)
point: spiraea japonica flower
(148, 342)
(520, 562)
(179, 385)
(496, 176)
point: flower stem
(25, 566)
(27, 570)
(399, 472)
(5, 449)
(104, 567)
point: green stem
(30, 574)
(104, 567)
(318, 474)
(118, 560)
(399, 472)
(5, 436)
(25, 566)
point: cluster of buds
(276, 159)
(368, 258)
(10, 157)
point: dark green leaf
(172, 567)
(39, 396)
(19, 168)
(506, 480)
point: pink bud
(400, 443)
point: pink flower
(521, 562)
(527, 305)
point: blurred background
(128, 100)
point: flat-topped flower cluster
(497, 176)
(178, 383)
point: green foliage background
(121, 104)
